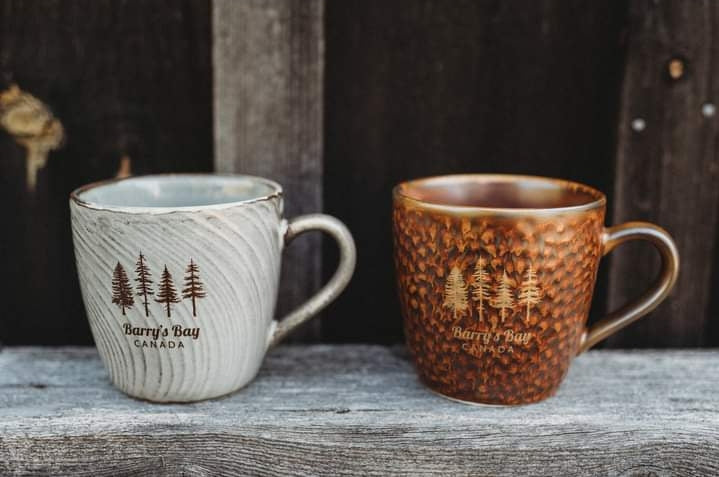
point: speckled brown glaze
(523, 357)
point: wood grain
(359, 410)
(127, 79)
(418, 88)
(268, 72)
(668, 172)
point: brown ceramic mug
(496, 274)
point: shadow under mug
(496, 275)
(179, 275)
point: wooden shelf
(339, 410)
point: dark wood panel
(712, 336)
(125, 79)
(268, 59)
(416, 88)
(668, 171)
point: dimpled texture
(463, 355)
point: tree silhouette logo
(455, 293)
(503, 296)
(121, 289)
(480, 286)
(144, 282)
(194, 289)
(530, 292)
(163, 292)
(166, 293)
(503, 299)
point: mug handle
(338, 282)
(615, 321)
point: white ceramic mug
(179, 274)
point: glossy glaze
(495, 277)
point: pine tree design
(480, 286)
(193, 286)
(530, 292)
(121, 289)
(503, 299)
(455, 293)
(167, 294)
(144, 282)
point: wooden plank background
(268, 66)
(125, 79)
(423, 87)
(341, 100)
(668, 173)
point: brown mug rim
(598, 198)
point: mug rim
(275, 188)
(599, 198)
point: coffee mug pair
(179, 274)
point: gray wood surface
(268, 69)
(668, 172)
(341, 410)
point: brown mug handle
(617, 320)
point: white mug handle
(338, 282)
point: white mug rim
(76, 195)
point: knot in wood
(676, 68)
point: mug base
(480, 403)
(483, 404)
(222, 395)
(185, 398)
(180, 397)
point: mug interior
(176, 191)
(500, 192)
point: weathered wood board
(667, 168)
(359, 410)
(268, 58)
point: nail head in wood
(708, 110)
(639, 124)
